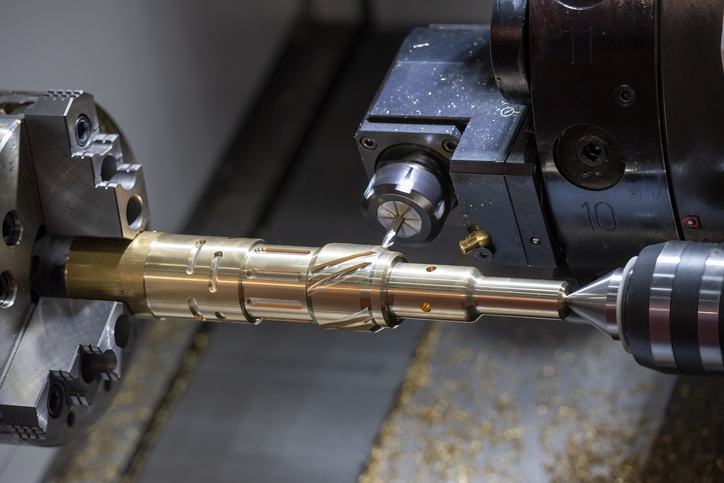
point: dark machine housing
(575, 133)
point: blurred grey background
(179, 77)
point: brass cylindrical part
(463, 294)
(349, 287)
(110, 269)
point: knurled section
(26, 432)
(62, 94)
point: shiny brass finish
(110, 270)
(348, 287)
(463, 294)
(477, 239)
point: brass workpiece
(109, 270)
(338, 286)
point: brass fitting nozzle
(477, 239)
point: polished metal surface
(462, 294)
(710, 292)
(597, 303)
(107, 271)
(409, 185)
(662, 284)
(626, 277)
(338, 286)
(204, 275)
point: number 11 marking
(588, 31)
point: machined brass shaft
(349, 287)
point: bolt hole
(426, 307)
(449, 146)
(56, 397)
(109, 168)
(624, 95)
(368, 143)
(134, 212)
(8, 289)
(83, 130)
(535, 241)
(71, 419)
(127, 179)
(12, 228)
(431, 269)
(122, 330)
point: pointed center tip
(594, 301)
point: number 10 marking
(605, 217)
